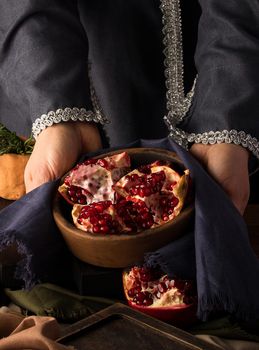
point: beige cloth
(229, 344)
(31, 333)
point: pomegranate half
(155, 294)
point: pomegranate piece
(96, 218)
(161, 188)
(92, 180)
(158, 288)
(135, 215)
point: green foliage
(11, 143)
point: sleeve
(225, 105)
(43, 66)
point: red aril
(99, 217)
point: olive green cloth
(51, 300)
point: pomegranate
(92, 180)
(108, 198)
(154, 293)
(161, 188)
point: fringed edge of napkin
(222, 302)
(23, 270)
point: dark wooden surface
(120, 327)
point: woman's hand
(228, 165)
(57, 149)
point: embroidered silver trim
(177, 103)
(212, 137)
(65, 115)
(94, 98)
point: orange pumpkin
(12, 175)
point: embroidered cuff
(211, 137)
(65, 115)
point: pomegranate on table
(108, 197)
(154, 293)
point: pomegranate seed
(76, 195)
(182, 285)
(103, 163)
(133, 291)
(96, 228)
(67, 180)
(174, 202)
(145, 275)
(143, 298)
(158, 295)
(94, 220)
(162, 287)
(104, 229)
(90, 161)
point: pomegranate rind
(180, 191)
(180, 316)
(120, 160)
(96, 180)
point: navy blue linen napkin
(28, 224)
(217, 252)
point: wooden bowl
(122, 250)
